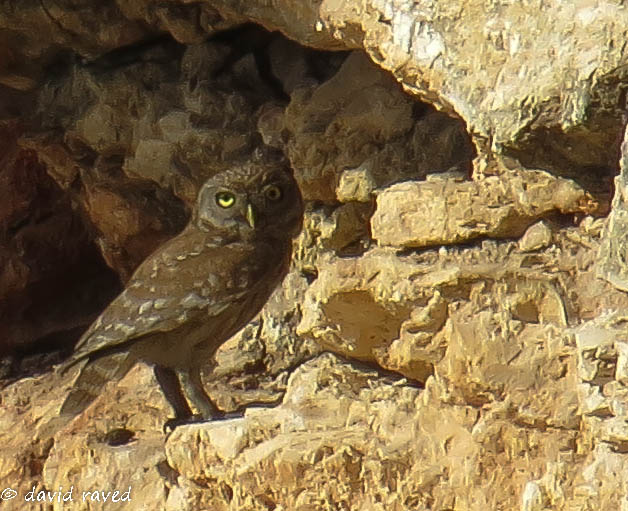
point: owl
(197, 290)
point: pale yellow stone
(537, 236)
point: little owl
(197, 290)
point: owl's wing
(185, 280)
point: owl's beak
(250, 216)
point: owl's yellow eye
(225, 199)
(273, 193)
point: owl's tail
(92, 378)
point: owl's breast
(220, 298)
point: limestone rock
(352, 309)
(419, 345)
(537, 236)
(345, 230)
(612, 266)
(417, 214)
(319, 430)
(53, 280)
(502, 390)
(502, 79)
(360, 118)
(477, 360)
(596, 352)
(355, 185)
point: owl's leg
(171, 388)
(193, 387)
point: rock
(346, 229)
(361, 119)
(537, 303)
(538, 235)
(132, 218)
(53, 280)
(135, 404)
(319, 430)
(501, 389)
(607, 465)
(612, 260)
(418, 214)
(352, 310)
(596, 351)
(152, 160)
(502, 80)
(355, 185)
(533, 499)
(621, 371)
(419, 345)
(592, 402)
(593, 226)
(222, 442)
(499, 81)
(476, 362)
(546, 492)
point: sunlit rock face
(451, 334)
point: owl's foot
(198, 418)
(174, 422)
(183, 386)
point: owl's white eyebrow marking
(253, 180)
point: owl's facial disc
(251, 201)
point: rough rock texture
(451, 335)
(52, 279)
(360, 119)
(497, 207)
(540, 80)
(613, 258)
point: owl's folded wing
(170, 290)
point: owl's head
(253, 200)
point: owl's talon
(174, 422)
(197, 418)
(223, 416)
